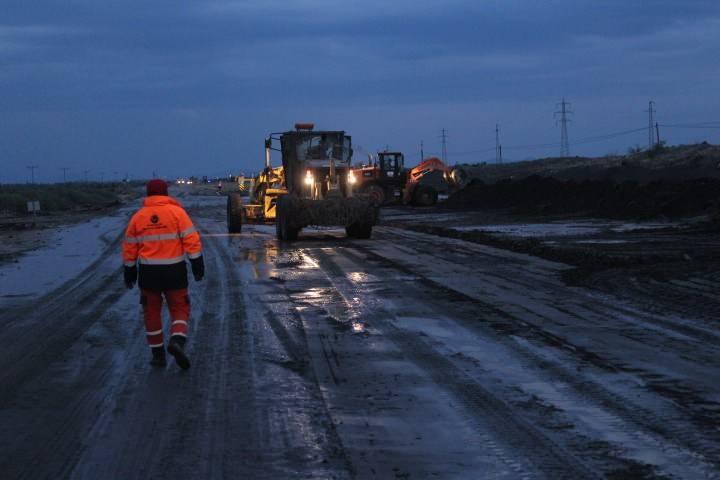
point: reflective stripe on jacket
(160, 233)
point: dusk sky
(181, 88)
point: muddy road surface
(408, 356)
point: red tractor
(387, 180)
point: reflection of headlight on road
(309, 180)
(351, 177)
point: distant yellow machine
(262, 204)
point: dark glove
(130, 276)
(198, 268)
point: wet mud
(415, 354)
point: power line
(564, 140)
(533, 146)
(711, 127)
(689, 125)
(64, 169)
(608, 136)
(589, 139)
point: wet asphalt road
(407, 356)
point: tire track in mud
(529, 279)
(56, 412)
(63, 382)
(150, 410)
(210, 433)
(486, 410)
(54, 442)
(324, 455)
(673, 335)
(667, 423)
(39, 332)
(697, 332)
(144, 425)
(221, 430)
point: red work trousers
(179, 306)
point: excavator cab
(391, 164)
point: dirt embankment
(61, 205)
(684, 162)
(601, 198)
(664, 182)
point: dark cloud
(164, 81)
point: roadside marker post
(33, 207)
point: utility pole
(85, 173)
(444, 146)
(64, 169)
(422, 151)
(563, 113)
(498, 146)
(32, 172)
(651, 124)
(657, 133)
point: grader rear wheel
(234, 213)
(359, 230)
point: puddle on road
(69, 250)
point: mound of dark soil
(605, 198)
(683, 162)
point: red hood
(160, 200)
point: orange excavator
(430, 178)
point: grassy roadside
(59, 198)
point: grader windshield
(316, 150)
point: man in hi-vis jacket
(159, 237)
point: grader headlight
(351, 178)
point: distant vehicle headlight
(309, 179)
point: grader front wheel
(359, 230)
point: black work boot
(158, 357)
(176, 348)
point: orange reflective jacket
(160, 233)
